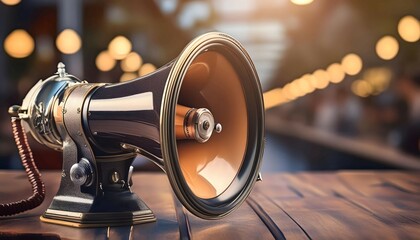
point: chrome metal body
(37, 109)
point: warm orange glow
(323, 79)
(409, 29)
(119, 47)
(387, 47)
(336, 73)
(146, 69)
(352, 64)
(127, 77)
(361, 88)
(304, 85)
(19, 44)
(11, 2)
(301, 2)
(104, 61)
(274, 98)
(131, 63)
(68, 41)
(289, 94)
(311, 80)
(379, 78)
(296, 90)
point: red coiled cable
(34, 176)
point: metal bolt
(218, 128)
(61, 69)
(115, 177)
(206, 125)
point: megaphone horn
(200, 118)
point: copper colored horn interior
(212, 82)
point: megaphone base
(102, 213)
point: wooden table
(308, 205)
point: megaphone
(200, 118)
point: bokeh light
(119, 47)
(289, 93)
(361, 88)
(104, 61)
(127, 77)
(409, 29)
(301, 2)
(132, 62)
(304, 85)
(11, 2)
(322, 79)
(146, 69)
(19, 44)
(336, 73)
(274, 97)
(311, 80)
(352, 64)
(379, 78)
(68, 41)
(387, 47)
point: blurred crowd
(392, 118)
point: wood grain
(307, 205)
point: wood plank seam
(299, 194)
(360, 206)
(183, 221)
(291, 218)
(266, 219)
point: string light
(11, 2)
(352, 64)
(378, 78)
(361, 88)
(409, 29)
(387, 47)
(104, 61)
(323, 79)
(301, 2)
(288, 92)
(131, 63)
(304, 85)
(68, 41)
(119, 47)
(19, 44)
(274, 97)
(127, 77)
(146, 69)
(336, 73)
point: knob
(81, 172)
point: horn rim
(247, 175)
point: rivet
(115, 177)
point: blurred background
(341, 78)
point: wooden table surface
(308, 205)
